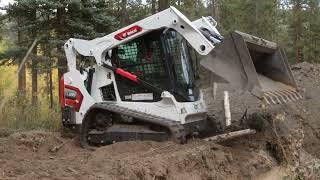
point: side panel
(187, 112)
(76, 79)
(172, 109)
(102, 77)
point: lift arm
(169, 18)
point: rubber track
(175, 128)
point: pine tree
(311, 34)
(57, 20)
(297, 26)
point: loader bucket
(253, 64)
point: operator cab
(162, 58)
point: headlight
(70, 94)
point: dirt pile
(290, 136)
(29, 156)
(307, 112)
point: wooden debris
(230, 135)
(57, 148)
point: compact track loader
(139, 83)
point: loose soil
(286, 147)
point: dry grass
(17, 112)
(26, 117)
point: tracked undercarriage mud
(105, 136)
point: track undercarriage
(107, 123)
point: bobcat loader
(139, 83)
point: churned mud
(288, 146)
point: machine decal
(128, 97)
(128, 32)
(142, 96)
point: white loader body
(145, 75)
(97, 48)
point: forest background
(30, 99)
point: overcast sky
(4, 3)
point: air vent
(108, 93)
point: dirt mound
(300, 118)
(290, 136)
(29, 155)
(307, 111)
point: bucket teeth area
(275, 92)
(281, 96)
(253, 64)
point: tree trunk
(34, 78)
(22, 73)
(297, 9)
(34, 66)
(256, 19)
(215, 12)
(163, 4)
(62, 62)
(123, 16)
(313, 29)
(153, 6)
(48, 54)
(49, 84)
(196, 5)
(21, 81)
(50, 87)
